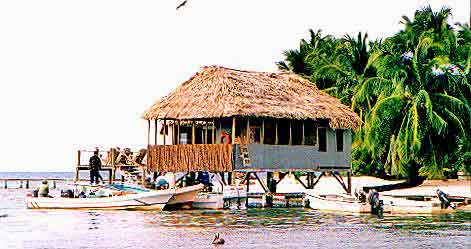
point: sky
(80, 74)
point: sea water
(252, 228)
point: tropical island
(411, 90)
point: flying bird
(182, 4)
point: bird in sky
(182, 4)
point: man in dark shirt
(95, 166)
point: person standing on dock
(95, 166)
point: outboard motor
(375, 203)
(444, 201)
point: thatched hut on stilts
(226, 120)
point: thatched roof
(217, 92)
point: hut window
(310, 133)
(322, 132)
(339, 138)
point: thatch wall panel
(190, 157)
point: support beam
(317, 180)
(276, 132)
(233, 130)
(193, 133)
(265, 188)
(155, 132)
(262, 137)
(164, 131)
(148, 133)
(304, 136)
(290, 142)
(339, 178)
(349, 182)
(247, 190)
(300, 181)
(248, 131)
(214, 133)
(178, 132)
(205, 132)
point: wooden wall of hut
(187, 158)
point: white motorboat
(118, 196)
(184, 197)
(337, 203)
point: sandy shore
(329, 185)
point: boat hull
(405, 206)
(329, 203)
(151, 200)
(209, 201)
(184, 197)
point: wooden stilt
(349, 182)
(213, 137)
(262, 137)
(290, 142)
(164, 126)
(317, 180)
(156, 132)
(248, 131)
(265, 189)
(193, 133)
(233, 130)
(276, 132)
(148, 133)
(299, 180)
(303, 139)
(27, 184)
(178, 132)
(247, 190)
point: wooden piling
(21, 184)
(54, 186)
(5, 183)
(27, 184)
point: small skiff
(133, 198)
(337, 203)
(400, 205)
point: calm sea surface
(253, 228)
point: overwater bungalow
(226, 120)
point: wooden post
(349, 182)
(302, 142)
(276, 132)
(21, 184)
(247, 190)
(5, 182)
(193, 133)
(220, 132)
(262, 137)
(214, 133)
(156, 132)
(248, 131)
(233, 129)
(54, 186)
(78, 158)
(205, 132)
(178, 132)
(27, 184)
(148, 133)
(290, 142)
(164, 131)
(77, 171)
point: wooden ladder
(244, 153)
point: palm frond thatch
(217, 92)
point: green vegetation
(411, 90)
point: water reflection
(260, 228)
